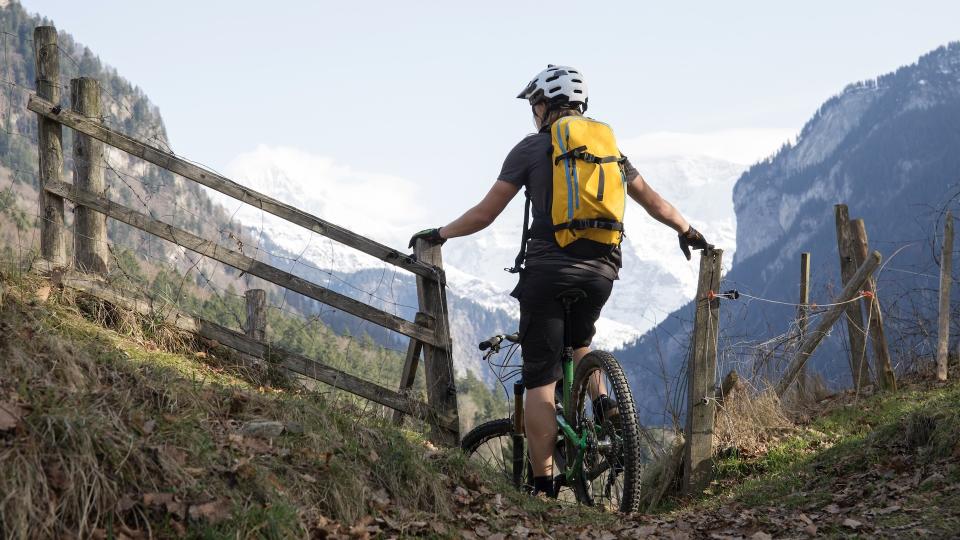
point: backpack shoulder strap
(518, 263)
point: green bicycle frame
(575, 440)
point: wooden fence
(857, 265)
(429, 332)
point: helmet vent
(559, 86)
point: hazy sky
(424, 91)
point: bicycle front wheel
(610, 476)
(496, 446)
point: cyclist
(556, 92)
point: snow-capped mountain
(656, 278)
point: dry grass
(134, 431)
(749, 420)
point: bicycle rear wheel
(610, 478)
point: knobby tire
(627, 433)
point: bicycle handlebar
(495, 341)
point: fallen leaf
(805, 519)
(461, 495)
(264, 429)
(178, 528)
(246, 470)
(811, 530)
(43, 293)
(889, 510)
(380, 497)
(166, 501)
(178, 455)
(10, 415)
(125, 503)
(760, 535)
(157, 499)
(213, 511)
(832, 509)
(852, 523)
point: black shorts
(541, 318)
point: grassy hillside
(112, 426)
(135, 429)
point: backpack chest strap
(581, 154)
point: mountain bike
(597, 453)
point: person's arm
(655, 205)
(664, 212)
(483, 214)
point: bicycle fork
(517, 436)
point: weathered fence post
(803, 314)
(881, 352)
(256, 324)
(90, 226)
(946, 277)
(809, 344)
(702, 376)
(49, 146)
(410, 363)
(856, 332)
(438, 359)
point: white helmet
(558, 86)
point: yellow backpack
(589, 185)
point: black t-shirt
(529, 165)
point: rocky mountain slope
(887, 148)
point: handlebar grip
(492, 342)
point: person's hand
(692, 239)
(430, 235)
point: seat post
(568, 298)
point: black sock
(543, 484)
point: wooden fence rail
(93, 128)
(850, 292)
(878, 338)
(429, 332)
